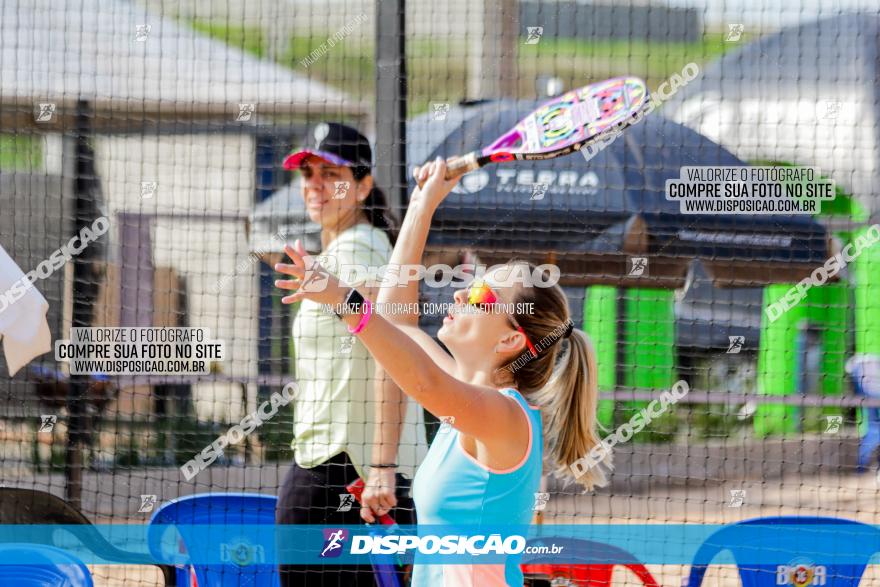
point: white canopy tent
(112, 69)
(805, 95)
(132, 65)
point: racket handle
(458, 166)
(356, 488)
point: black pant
(311, 496)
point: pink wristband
(365, 317)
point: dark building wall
(601, 21)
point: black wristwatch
(352, 303)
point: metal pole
(701, 397)
(492, 64)
(391, 168)
(85, 191)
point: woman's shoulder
(511, 391)
(362, 236)
(518, 396)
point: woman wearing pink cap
(335, 411)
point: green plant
(248, 39)
(713, 421)
(437, 69)
(276, 434)
(21, 152)
(660, 430)
(843, 203)
(128, 456)
(192, 436)
(734, 373)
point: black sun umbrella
(596, 218)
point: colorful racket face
(561, 126)
(570, 120)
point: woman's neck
(331, 233)
(481, 375)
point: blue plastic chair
(864, 386)
(41, 510)
(57, 568)
(759, 575)
(593, 569)
(222, 509)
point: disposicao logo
(333, 541)
(449, 544)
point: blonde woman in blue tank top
(518, 389)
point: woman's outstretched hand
(433, 185)
(312, 282)
(379, 494)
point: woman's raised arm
(407, 256)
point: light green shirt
(334, 410)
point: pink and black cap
(335, 143)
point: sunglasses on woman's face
(481, 296)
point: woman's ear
(364, 187)
(511, 342)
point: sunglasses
(481, 296)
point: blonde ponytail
(570, 400)
(563, 381)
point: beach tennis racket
(561, 126)
(384, 568)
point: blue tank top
(451, 487)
